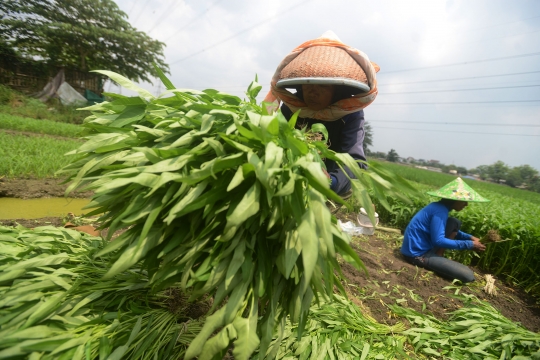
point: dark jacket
(346, 135)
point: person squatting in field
(431, 231)
(330, 83)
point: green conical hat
(458, 190)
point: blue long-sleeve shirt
(426, 232)
(345, 135)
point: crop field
(33, 156)
(436, 180)
(513, 213)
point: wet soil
(37, 188)
(389, 278)
(32, 223)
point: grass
(23, 156)
(48, 127)
(32, 156)
(15, 103)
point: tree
(81, 34)
(498, 171)
(461, 170)
(368, 137)
(526, 172)
(378, 154)
(521, 174)
(481, 170)
(513, 178)
(534, 184)
(392, 156)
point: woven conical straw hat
(324, 61)
(327, 65)
(458, 190)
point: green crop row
(518, 222)
(47, 127)
(33, 156)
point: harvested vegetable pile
(476, 331)
(339, 330)
(222, 199)
(54, 303)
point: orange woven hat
(327, 65)
(324, 65)
(325, 60)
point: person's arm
(436, 230)
(463, 236)
(476, 244)
(351, 142)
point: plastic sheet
(352, 229)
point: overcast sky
(459, 79)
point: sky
(459, 79)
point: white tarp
(49, 90)
(69, 96)
(58, 87)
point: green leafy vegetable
(224, 199)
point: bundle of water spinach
(223, 199)
(54, 303)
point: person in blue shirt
(431, 231)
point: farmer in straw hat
(431, 231)
(330, 83)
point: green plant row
(518, 223)
(227, 200)
(46, 127)
(33, 156)
(54, 303)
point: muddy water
(13, 208)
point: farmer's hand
(477, 245)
